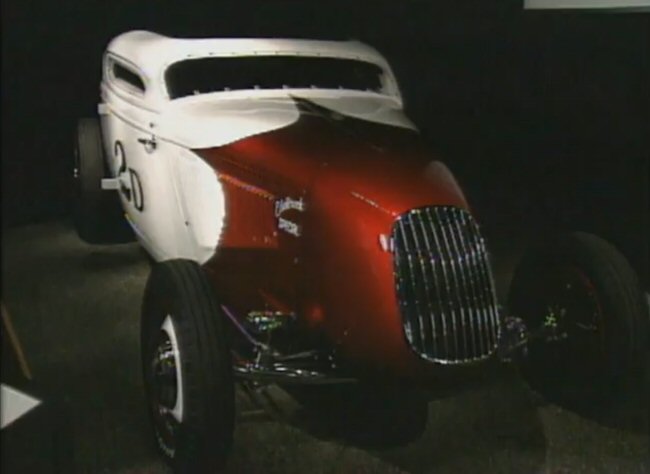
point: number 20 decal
(134, 193)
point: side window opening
(127, 77)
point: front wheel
(187, 368)
(583, 290)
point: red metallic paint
(355, 178)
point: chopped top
(152, 53)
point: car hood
(386, 166)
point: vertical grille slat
(427, 320)
(463, 290)
(445, 300)
(434, 263)
(482, 310)
(492, 296)
(483, 302)
(444, 257)
(444, 285)
(420, 294)
(454, 295)
(485, 285)
(412, 301)
(474, 284)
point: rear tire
(588, 288)
(187, 368)
(98, 215)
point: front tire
(585, 287)
(187, 368)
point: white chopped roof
(152, 52)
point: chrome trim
(242, 330)
(279, 373)
(268, 365)
(432, 269)
(461, 293)
(444, 285)
(263, 321)
(446, 281)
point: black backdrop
(544, 117)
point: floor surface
(76, 309)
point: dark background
(544, 117)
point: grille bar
(444, 285)
(482, 308)
(428, 324)
(463, 291)
(431, 268)
(474, 287)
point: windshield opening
(205, 75)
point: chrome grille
(444, 285)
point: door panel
(145, 178)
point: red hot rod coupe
(300, 231)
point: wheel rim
(567, 302)
(166, 396)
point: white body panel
(172, 198)
(151, 54)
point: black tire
(587, 286)
(98, 216)
(201, 440)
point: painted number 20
(134, 193)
